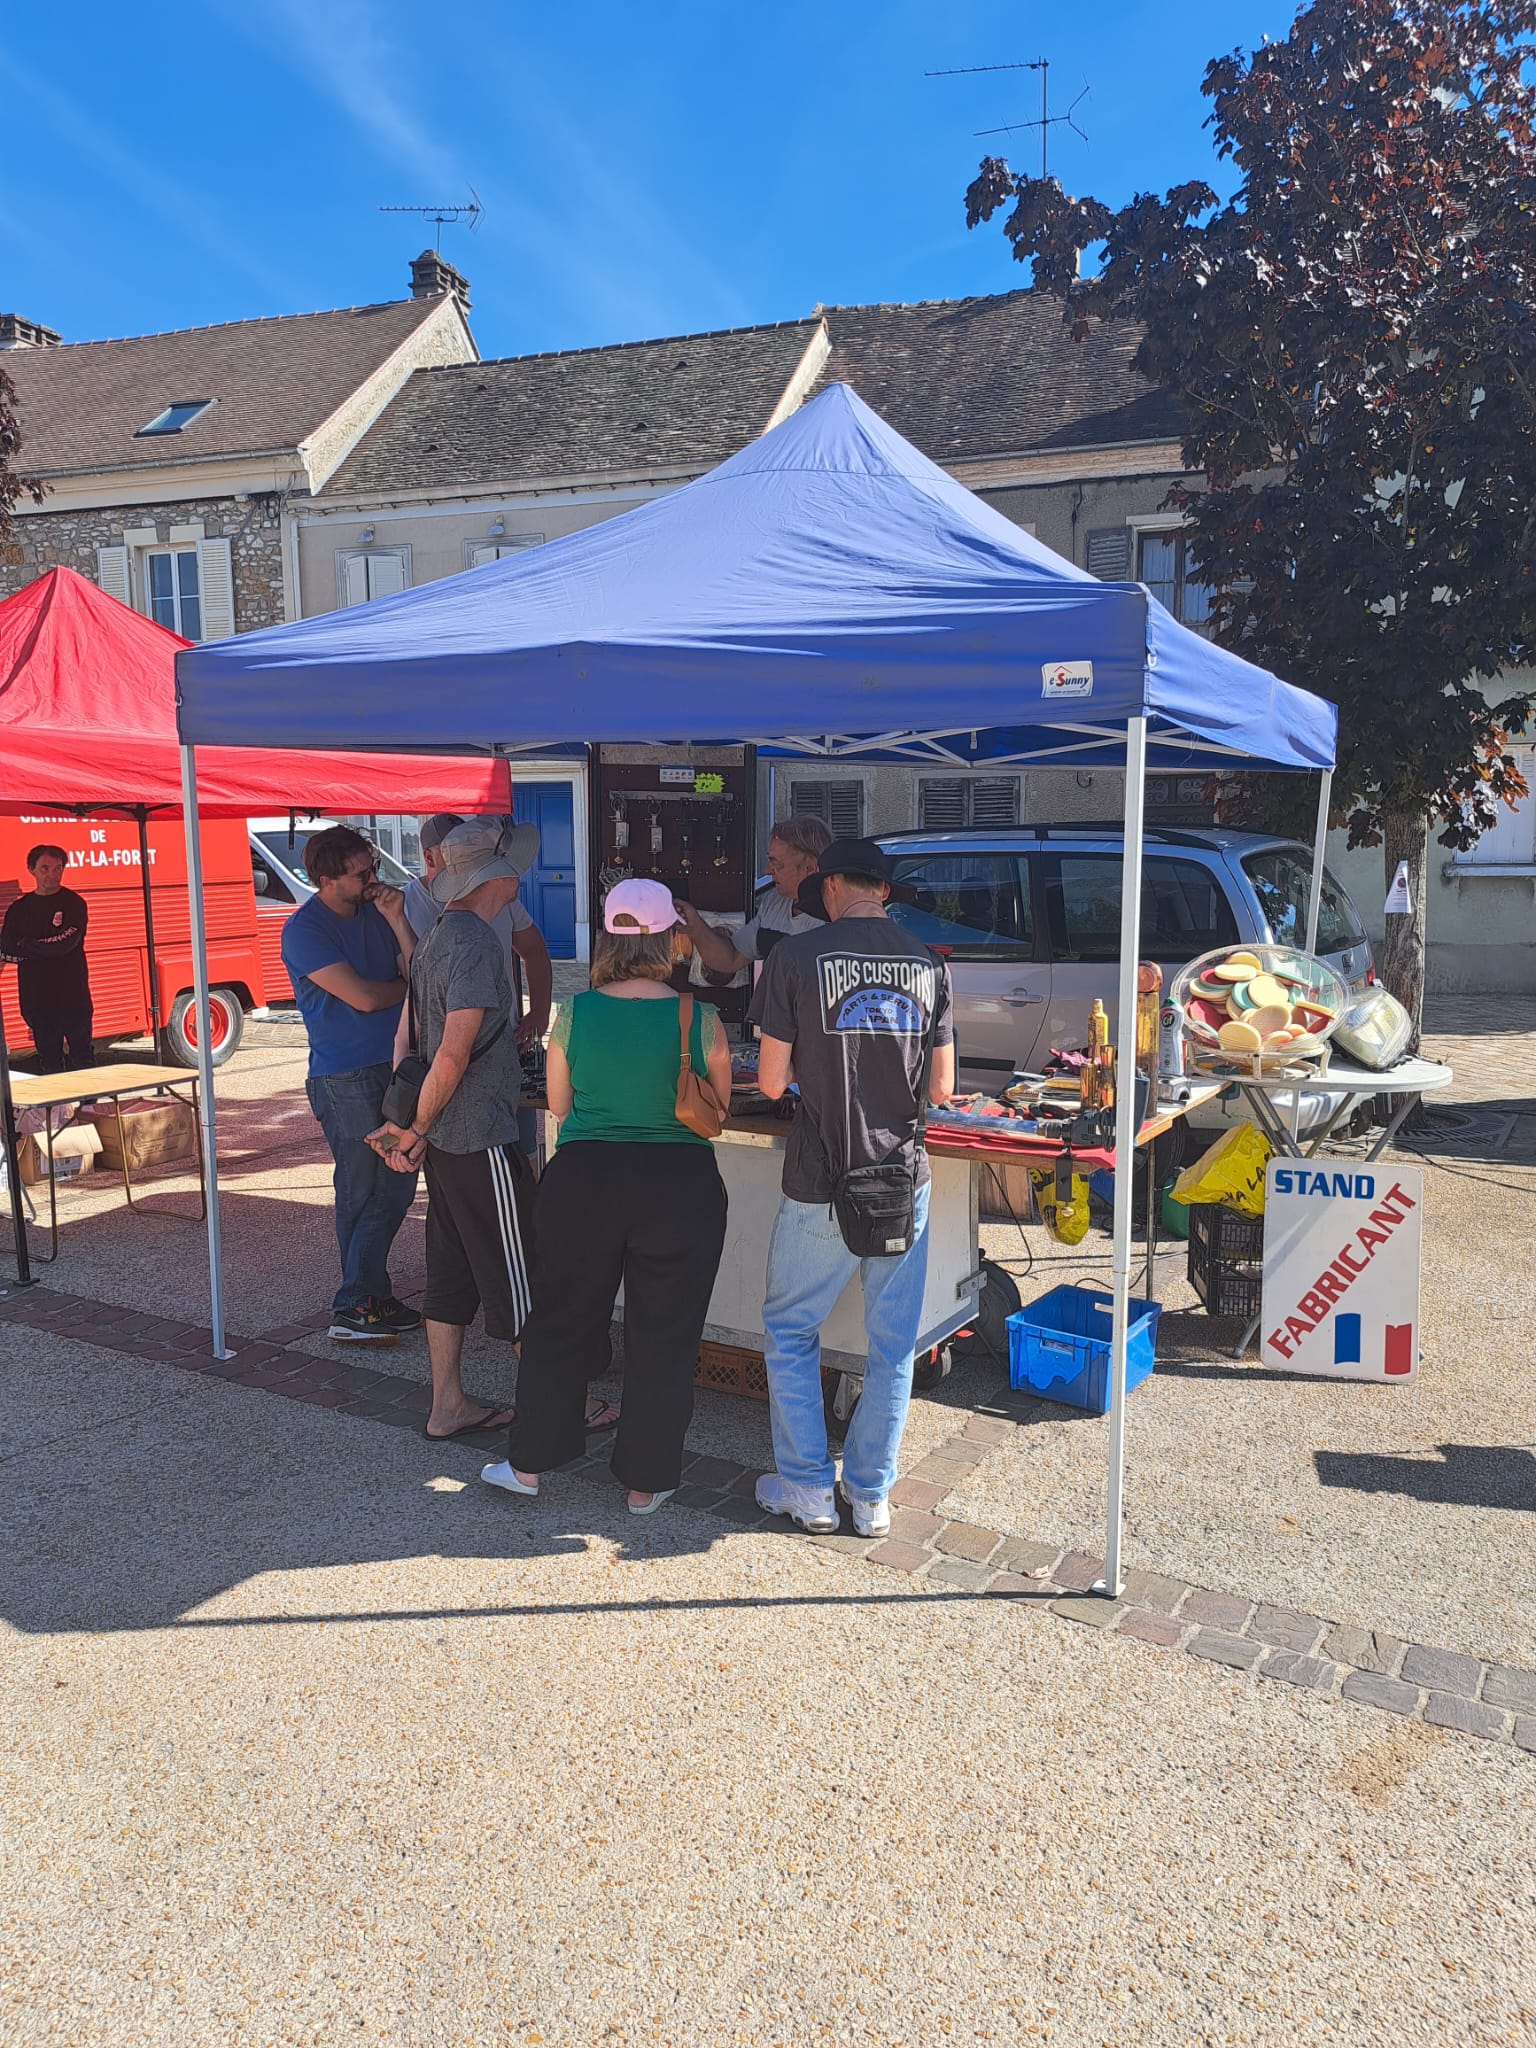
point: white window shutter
(353, 578)
(482, 551)
(112, 573)
(1109, 553)
(386, 575)
(216, 580)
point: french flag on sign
(1398, 1362)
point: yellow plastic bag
(1066, 1221)
(1230, 1173)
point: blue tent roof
(827, 590)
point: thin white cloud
(343, 56)
(175, 202)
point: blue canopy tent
(829, 592)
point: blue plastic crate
(1059, 1346)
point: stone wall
(252, 523)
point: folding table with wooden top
(110, 1084)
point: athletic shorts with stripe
(480, 1238)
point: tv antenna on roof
(1047, 120)
(469, 212)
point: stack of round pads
(1261, 1006)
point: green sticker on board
(708, 782)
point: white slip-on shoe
(811, 1506)
(870, 1517)
(501, 1474)
(657, 1500)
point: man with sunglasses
(347, 952)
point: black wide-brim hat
(863, 857)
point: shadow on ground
(1467, 1476)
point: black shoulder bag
(402, 1098)
(875, 1205)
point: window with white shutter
(478, 552)
(1109, 553)
(951, 803)
(363, 574)
(112, 573)
(1511, 842)
(173, 590)
(839, 805)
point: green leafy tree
(1353, 335)
(13, 488)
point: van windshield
(291, 856)
(1282, 881)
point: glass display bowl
(1259, 1009)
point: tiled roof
(81, 405)
(995, 376)
(689, 399)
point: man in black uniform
(44, 934)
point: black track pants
(653, 1217)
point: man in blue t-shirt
(347, 951)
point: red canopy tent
(88, 723)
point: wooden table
(109, 1084)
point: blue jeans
(371, 1199)
(808, 1268)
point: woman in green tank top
(631, 1196)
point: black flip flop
(506, 1412)
(595, 1425)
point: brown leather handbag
(697, 1104)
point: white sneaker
(870, 1517)
(811, 1506)
(501, 1474)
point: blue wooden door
(548, 892)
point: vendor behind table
(794, 846)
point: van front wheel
(225, 1016)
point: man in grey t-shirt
(479, 1185)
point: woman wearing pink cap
(631, 1195)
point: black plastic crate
(1226, 1259)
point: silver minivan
(1029, 920)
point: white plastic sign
(1341, 1268)
(1399, 896)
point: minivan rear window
(1282, 881)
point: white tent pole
(1319, 843)
(1125, 1137)
(204, 1040)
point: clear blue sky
(646, 169)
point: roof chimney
(15, 332)
(430, 275)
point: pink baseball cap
(637, 906)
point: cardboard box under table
(133, 1134)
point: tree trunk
(1401, 966)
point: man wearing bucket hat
(857, 1013)
(513, 925)
(464, 1130)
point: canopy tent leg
(1125, 1139)
(1319, 844)
(141, 814)
(204, 1042)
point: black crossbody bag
(402, 1098)
(875, 1206)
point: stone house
(171, 459)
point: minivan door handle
(1020, 999)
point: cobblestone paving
(1467, 1695)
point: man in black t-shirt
(846, 1012)
(44, 934)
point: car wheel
(226, 1019)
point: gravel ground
(308, 1740)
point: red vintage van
(103, 867)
